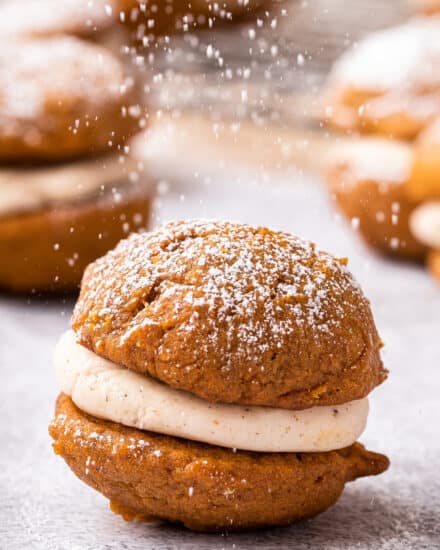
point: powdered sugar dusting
(389, 81)
(403, 56)
(373, 159)
(84, 77)
(72, 427)
(44, 17)
(250, 288)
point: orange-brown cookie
(424, 181)
(191, 296)
(48, 248)
(207, 488)
(62, 98)
(389, 83)
(367, 180)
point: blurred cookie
(425, 225)
(55, 221)
(388, 83)
(171, 16)
(62, 98)
(43, 18)
(424, 186)
(434, 263)
(424, 181)
(368, 181)
(427, 7)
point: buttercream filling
(110, 392)
(425, 223)
(28, 189)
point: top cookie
(234, 314)
(389, 83)
(62, 98)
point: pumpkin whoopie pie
(368, 180)
(389, 82)
(69, 187)
(217, 376)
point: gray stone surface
(44, 507)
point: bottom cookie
(206, 488)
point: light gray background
(43, 506)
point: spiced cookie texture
(85, 106)
(388, 83)
(368, 180)
(233, 314)
(216, 376)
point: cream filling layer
(27, 189)
(105, 390)
(425, 223)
